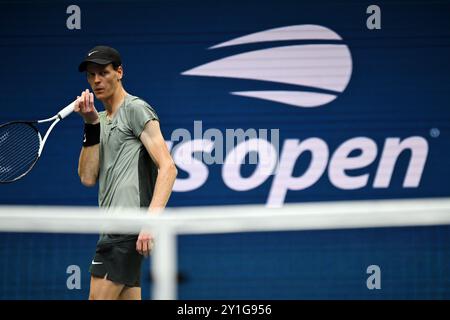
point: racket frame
(56, 118)
(31, 124)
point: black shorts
(119, 262)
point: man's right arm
(88, 164)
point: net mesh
(46, 266)
(410, 258)
(319, 264)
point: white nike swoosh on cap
(92, 52)
(95, 262)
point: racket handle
(66, 111)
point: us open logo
(322, 71)
(315, 66)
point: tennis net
(384, 249)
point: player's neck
(113, 103)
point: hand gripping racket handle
(66, 111)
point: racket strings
(19, 150)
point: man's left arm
(151, 137)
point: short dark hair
(116, 65)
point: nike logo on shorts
(95, 262)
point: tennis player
(124, 150)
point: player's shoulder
(134, 103)
(137, 102)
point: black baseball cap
(101, 55)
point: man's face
(104, 80)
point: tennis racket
(21, 145)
